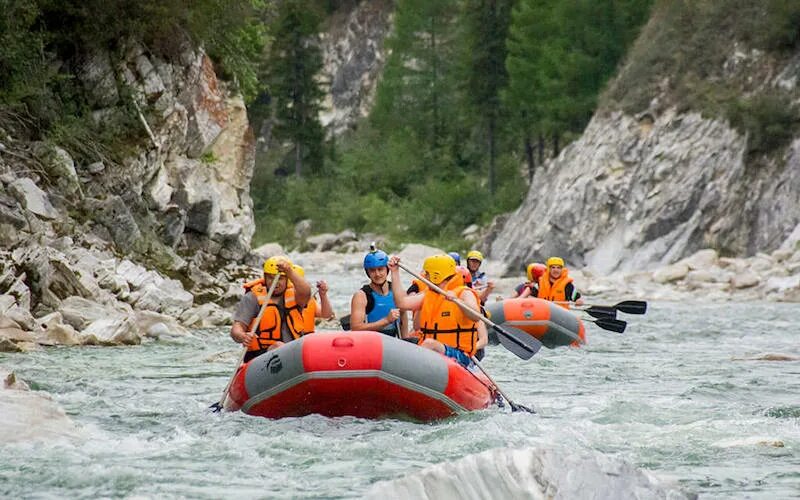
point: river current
(682, 395)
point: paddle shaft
(244, 351)
(528, 344)
(475, 315)
(514, 406)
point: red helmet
(535, 271)
(465, 274)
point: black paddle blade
(601, 312)
(632, 306)
(519, 407)
(610, 324)
(520, 344)
(216, 407)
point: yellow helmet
(299, 270)
(439, 268)
(555, 261)
(474, 254)
(271, 264)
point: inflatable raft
(363, 374)
(551, 324)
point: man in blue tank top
(372, 307)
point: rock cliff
(107, 252)
(640, 191)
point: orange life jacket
(554, 292)
(269, 330)
(443, 320)
(310, 316)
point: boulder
(166, 297)
(703, 259)
(412, 255)
(671, 273)
(116, 331)
(267, 250)
(746, 279)
(159, 326)
(60, 167)
(323, 242)
(79, 313)
(208, 315)
(116, 217)
(53, 331)
(32, 198)
(30, 416)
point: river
(679, 395)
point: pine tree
(293, 85)
(487, 23)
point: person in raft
(555, 284)
(479, 280)
(530, 288)
(444, 326)
(312, 310)
(282, 320)
(373, 306)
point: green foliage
(770, 121)
(293, 86)
(561, 53)
(781, 28)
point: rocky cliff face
(353, 57)
(104, 252)
(644, 191)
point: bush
(770, 121)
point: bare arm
(325, 310)
(240, 334)
(302, 290)
(401, 298)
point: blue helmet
(375, 259)
(455, 257)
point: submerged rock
(529, 473)
(27, 415)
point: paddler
(533, 271)
(480, 282)
(373, 306)
(556, 285)
(314, 310)
(282, 320)
(444, 326)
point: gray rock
(32, 198)
(108, 331)
(116, 217)
(746, 279)
(98, 77)
(96, 168)
(671, 273)
(302, 229)
(267, 250)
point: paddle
(514, 406)
(610, 324)
(626, 306)
(600, 311)
(518, 342)
(218, 406)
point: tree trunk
(491, 155)
(529, 156)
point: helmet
(439, 268)
(555, 261)
(271, 264)
(456, 257)
(465, 274)
(378, 258)
(299, 270)
(474, 254)
(535, 271)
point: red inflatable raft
(363, 374)
(550, 323)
